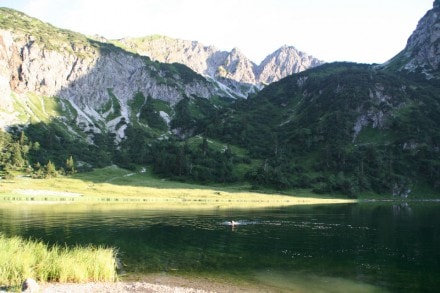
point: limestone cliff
(422, 52)
(232, 69)
(39, 59)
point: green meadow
(117, 186)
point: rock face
(98, 81)
(48, 62)
(283, 62)
(238, 67)
(422, 52)
(228, 68)
(201, 59)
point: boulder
(30, 286)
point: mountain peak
(286, 48)
(237, 52)
(422, 53)
(285, 61)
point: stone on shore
(30, 286)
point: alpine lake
(361, 247)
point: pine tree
(70, 166)
(17, 158)
(51, 169)
(23, 139)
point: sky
(364, 31)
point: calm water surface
(368, 247)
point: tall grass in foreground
(21, 259)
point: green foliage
(193, 116)
(303, 130)
(49, 145)
(112, 107)
(135, 148)
(149, 113)
(180, 160)
(201, 164)
(52, 143)
(44, 172)
(51, 170)
(70, 166)
(184, 73)
(174, 74)
(14, 149)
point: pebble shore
(119, 287)
(162, 283)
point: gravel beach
(119, 287)
(155, 283)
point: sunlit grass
(21, 259)
(115, 185)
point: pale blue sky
(370, 31)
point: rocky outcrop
(85, 79)
(87, 74)
(28, 66)
(202, 59)
(232, 69)
(238, 67)
(422, 52)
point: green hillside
(342, 127)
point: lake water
(367, 247)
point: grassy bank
(21, 259)
(115, 185)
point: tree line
(18, 153)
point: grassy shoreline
(117, 186)
(21, 259)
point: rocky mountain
(95, 83)
(342, 128)
(422, 52)
(228, 68)
(284, 62)
(349, 128)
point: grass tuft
(21, 259)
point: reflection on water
(349, 248)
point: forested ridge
(340, 128)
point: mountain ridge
(341, 127)
(97, 80)
(232, 66)
(349, 128)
